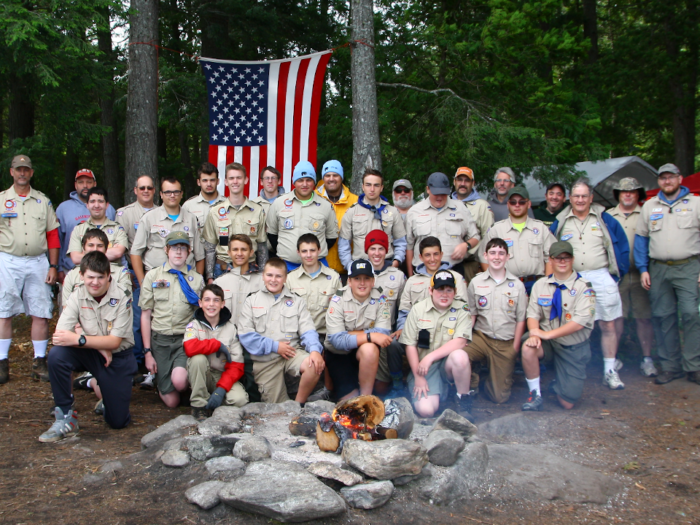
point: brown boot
(39, 369)
(4, 371)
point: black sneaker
(667, 377)
(40, 371)
(81, 383)
(464, 404)
(4, 371)
(533, 403)
(200, 413)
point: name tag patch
(567, 236)
(656, 216)
(509, 243)
(544, 301)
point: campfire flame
(354, 419)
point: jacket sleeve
(620, 244)
(641, 253)
(195, 346)
(232, 373)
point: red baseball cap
(376, 237)
(85, 173)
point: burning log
(328, 441)
(303, 426)
(387, 433)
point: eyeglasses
(517, 203)
(270, 179)
(179, 248)
(565, 258)
(667, 178)
(402, 190)
(502, 181)
(171, 193)
(144, 188)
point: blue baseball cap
(302, 170)
(333, 166)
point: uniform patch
(453, 310)
(685, 201)
(465, 307)
(289, 302)
(317, 203)
(190, 278)
(136, 226)
(567, 317)
(452, 215)
(372, 301)
(386, 212)
(223, 232)
(451, 331)
(110, 231)
(371, 324)
(335, 299)
(511, 302)
(509, 243)
(288, 224)
(453, 318)
(331, 310)
(186, 228)
(678, 210)
(163, 232)
(567, 237)
(589, 293)
(190, 325)
(511, 284)
(328, 277)
(592, 312)
(483, 301)
(120, 213)
(536, 231)
(391, 293)
(288, 203)
(113, 302)
(38, 201)
(316, 225)
(544, 301)
(572, 293)
(656, 216)
(222, 212)
(392, 277)
(657, 209)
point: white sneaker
(618, 365)
(147, 383)
(612, 380)
(648, 369)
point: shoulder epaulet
(251, 293)
(294, 293)
(191, 198)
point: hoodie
(70, 213)
(474, 195)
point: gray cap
(669, 168)
(629, 184)
(439, 184)
(21, 161)
(559, 247)
(402, 182)
(507, 171)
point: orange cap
(465, 171)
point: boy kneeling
(285, 319)
(436, 331)
(104, 312)
(215, 361)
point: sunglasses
(517, 203)
(144, 188)
(402, 190)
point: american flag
(264, 114)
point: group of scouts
(321, 294)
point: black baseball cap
(443, 278)
(360, 267)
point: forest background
(482, 83)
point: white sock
(4, 348)
(40, 348)
(646, 359)
(608, 364)
(534, 384)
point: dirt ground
(646, 436)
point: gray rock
(282, 491)
(170, 430)
(291, 408)
(461, 480)
(443, 447)
(227, 413)
(326, 470)
(512, 425)
(532, 473)
(316, 408)
(201, 448)
(386, 459)
(406, 419)
(405, 480)
(172, 444)
(451, 420)
(206, 494)
(215, 427)
(368, 495)
(253, 409)
(226, 467)
(227, 441)
(111, 466)
(255, 448)
(175, 458)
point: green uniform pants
(674, 290)
(570, 367)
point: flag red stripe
(298, 107)
(246, 163)
(214, 155)
(281, 102)
(229, 160)
(263, 164)
(316, 106)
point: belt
(673, 263)
(529, 278)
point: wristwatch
(369, 337)
(53, 266)
(146, 351)
(82, 340)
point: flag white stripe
(254, 171)
(272, 114)
(289, 123)
(306, 108)
(238, 154)
(221, 166)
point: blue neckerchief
(191, 297)
(377, 211)
(556, 312)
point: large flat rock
(388, 459)
(170, 430)
(512, 426)
(460, 481)
(282, 491)
(533, 473)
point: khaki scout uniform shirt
(23, 224)
(317, 291)
(225, 220)
(453, 225)
(445, 326)
(119, 274)
(226, 334)
(359, 221)
(113, 315)
(416, 289)
(390, 283)
(528, 251)
(161, 293)
(237, 287)
(483, 216)
(629, 223)
(498, 306)
(672, 230)
(264, 203)
(200, 207)
(155, 226)
(346, 314)
(129, 217)
(281, 319)
(590, 239)
(578, 305)
(116, 235)
(289, 219)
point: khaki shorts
(169, 354)
(634, 297)
(608, 303)
(269, 375)
(438, 382)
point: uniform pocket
(685, 220)
(535, 249)
(423, 226)
(316, 223)
(483, 301)
(453, 226)
(290, 321)
(260, 320)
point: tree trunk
(69, 171)
(190, 186)
(21, 114)
(141, 136)
(110, 142)
(163, 142)
(590, 28)
(366, 152)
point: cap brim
(173, 243)
(440, 191)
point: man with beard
(402, 192)
(503, 182)
(555, 200)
